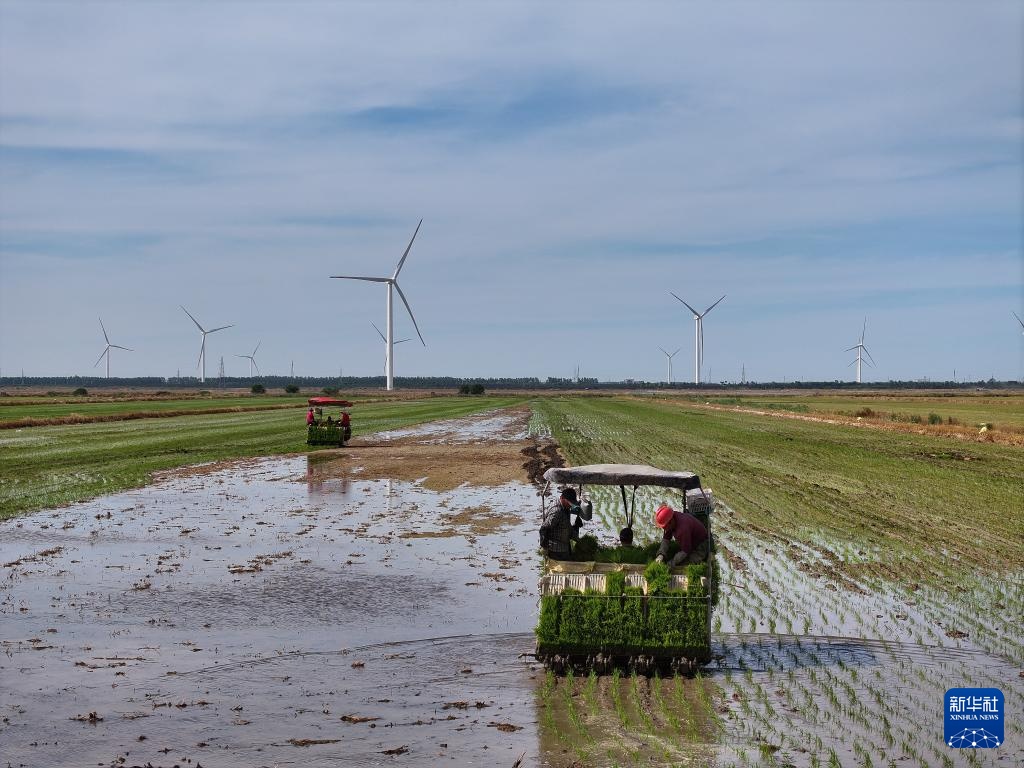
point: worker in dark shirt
(558, 531)
(687, 531)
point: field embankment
(51, 466)
(976, 418)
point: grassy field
(13, 410)
(889, 494)
(49, 466)
(1003, 411)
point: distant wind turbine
(106, 350)
(1019, 321)
(252, 359)
(668, 359)
(382, 338)
(392, 283)
(698, 343)
(861, 351)
(202, 349)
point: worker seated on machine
(687, 532)
(557, 532)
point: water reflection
(323, 478)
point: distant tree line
(454, 383)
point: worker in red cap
(688, 532)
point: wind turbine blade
(406, 302)
(245, 356)
(863, 330)
(855, 346)
(371, 279)
(255, 364)
(212, 330)
(851, 363)
(1019, 320)
(126, 349)
(100, 357)
(713, 305)
(257, 348)
(382, 338)
(402, 340)
(663, 350)
(193, 319)
(675, 353)
(406, 254)
(868, 354)
(695, 313)
(105, 337)
(202, 348)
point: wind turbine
(202, 349)
(392, 283)
(668, 359)
(1020, 321)
(106, 350)
(698, 338)
(382, 338)
(252, 359)
(861, 351)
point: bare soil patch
(438, 467)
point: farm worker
(557, 530)
(310, 418)
(689, 533)
(346, 425)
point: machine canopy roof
(621, 474)
(321, 401)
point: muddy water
(277, 612)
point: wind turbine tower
(861, 351)
(202, 348)
(668, 359)
(698, 331)
(106, 350)
(392, 284)
(400, 341)
(252, 359)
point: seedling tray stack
(600, 616)
(323, 434)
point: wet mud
(359, 605)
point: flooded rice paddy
(366, 606)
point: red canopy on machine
(322, 401)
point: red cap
(664, 514)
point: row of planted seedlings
(818, 701)
(628, 718)
(629, 624)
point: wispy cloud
(812, 162)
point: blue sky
(573, 164)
